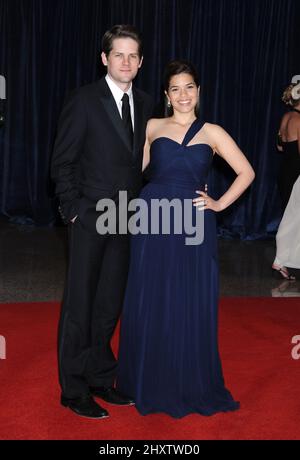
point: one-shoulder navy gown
(168, 355)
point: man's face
(123, 61)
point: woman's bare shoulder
(288, 117)
(290, 124)
(212, 129)
(294, 118)
(155, 124)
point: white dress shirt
(118, 94)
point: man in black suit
(98, 152)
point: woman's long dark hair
(177, 67)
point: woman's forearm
(242, 181)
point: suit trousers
(93, 297)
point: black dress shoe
(112, 396)
(85, 407)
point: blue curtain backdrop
(245, 52)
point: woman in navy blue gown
(168, 356)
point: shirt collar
(116, 91)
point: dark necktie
(126, 117)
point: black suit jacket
(92, 157)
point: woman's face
(183, 93)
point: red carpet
(255, 345)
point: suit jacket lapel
(138, 121)
(112, 111)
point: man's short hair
(121, 31)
